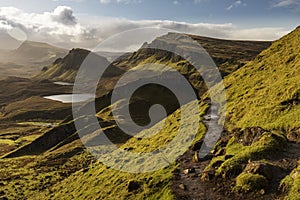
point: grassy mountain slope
(266, 92)
(65, 70)
(264, 148)
(66, 170)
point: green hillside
(257, 156)
(266, 91)
(262, 118)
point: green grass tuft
(250, 182)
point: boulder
(266, 169)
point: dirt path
(187, 185)
(194, 188)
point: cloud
(62, 27)
(120, 1)
(235, 5)
(287, 3)
(64, 15)
(70, 0)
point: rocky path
(186, 181)
(187, 185)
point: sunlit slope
(102, 182)
(266, 92)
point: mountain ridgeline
(65, 69)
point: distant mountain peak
(66, 68)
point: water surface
(70, 98)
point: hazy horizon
(84, 24)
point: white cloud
(69, 0)
(287, 3)
(59, 26)
(62, 27)
(64, 15)
(120, 1)
(236, 4)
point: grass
(250, 182)
(269, 142)
(26, 139)
(7, 141)
(102, 182)
(291, 184)
(266, 91)
(43, 177)
(36, 123)
(25, 177)
(143, 143)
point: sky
(85, 23)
